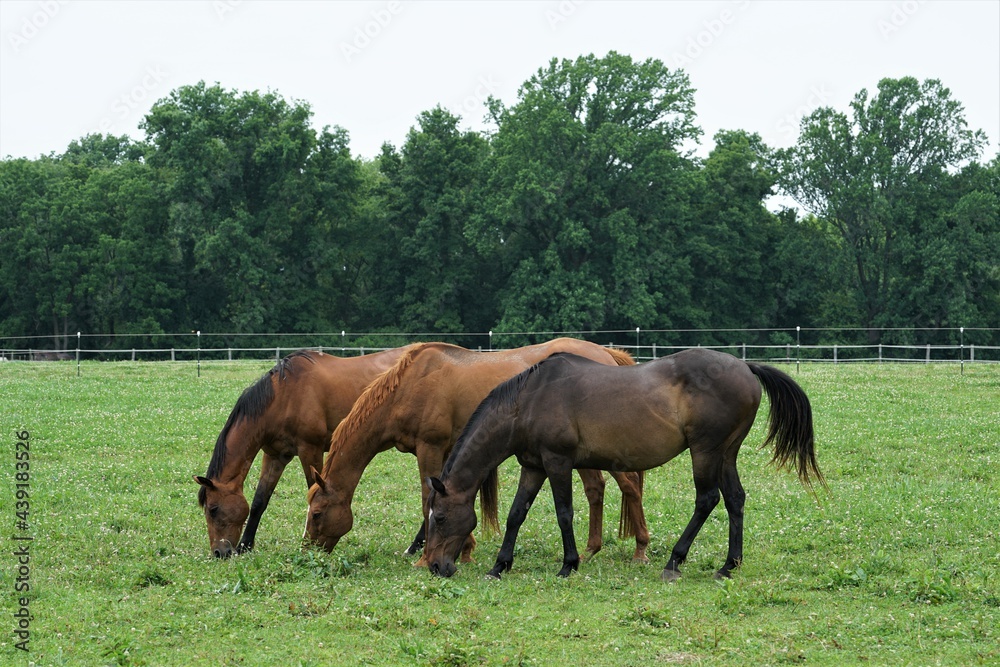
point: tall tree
(859, 173)
(585, 178)
(256, 195)
(433, 190)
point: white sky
(71, 68)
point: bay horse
(568, 412)
(290, 411)
(420, 406)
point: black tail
(790, 425)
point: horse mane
(374, 395)
(251, 405)
(621, 357)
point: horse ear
(317, 478)
(437, 485)
(204, 481)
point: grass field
(897, 565)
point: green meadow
(898, 563)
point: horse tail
(626, 524)
(790, 424)
(488, 497)
(621, 357)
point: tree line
(581, 209)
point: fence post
(77, 354)
(961, 353)
(834, 353)
(173, 357)
(133, 354)
(972, 353)
(928, 353)
(744, 351)
(798, 347)
(880, 353)
(230, 354)
(199, 353)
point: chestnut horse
(420, 406)
(290, 411)
(568, 412)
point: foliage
(881, 179)
(582, 209)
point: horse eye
(315, 517)
(213, 511)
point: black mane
(250, 405)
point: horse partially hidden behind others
(291, 411)
(568, 412)
(420, 406)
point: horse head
(226, 510)
(329, 517)
(450, 520)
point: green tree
(583, 195)
(432, 191)
(256, 200)
(859, 174)
(732, 236)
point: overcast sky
(71, 68)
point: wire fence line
(786, 345)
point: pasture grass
(897, 564)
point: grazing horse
(290, 411)
(420, 406)
(568, 412)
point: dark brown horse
(568, 412)
(291, 411)
(420, 406)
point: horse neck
(483, 446)
(352, 448)
(243, 442)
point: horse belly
(624, 447)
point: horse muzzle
(223, 549)
(442, 569)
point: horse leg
(734, 497)
(706, 484)
(270, 472)
(561, 481)
(418, 541)
(633, 516)
(527, 489)
(593, 487)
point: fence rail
(775, 353)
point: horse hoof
(722, 575)
(490, 576)
(641, 560)
(670, 575)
